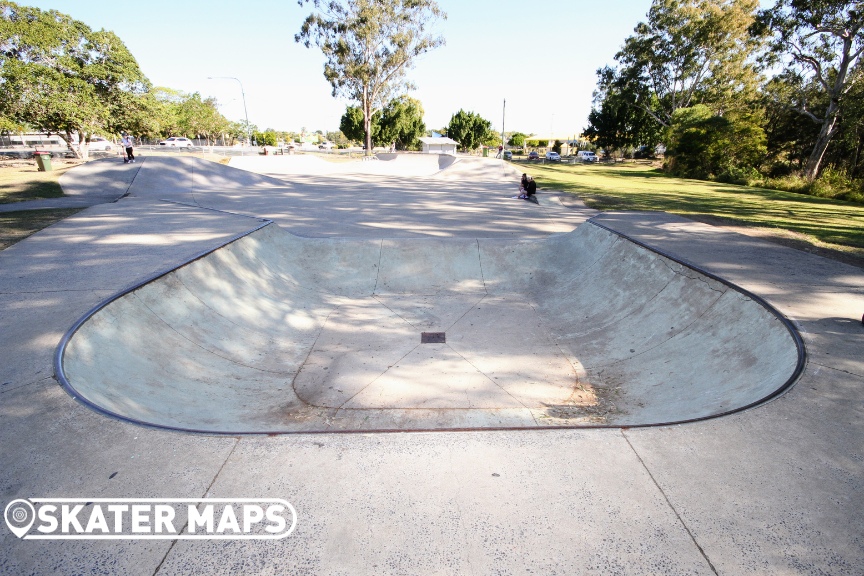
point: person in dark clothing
(128, 143)
(531, 188)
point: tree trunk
(367, 121)
(825, 135)
(76, 151)
(367, 129)
(830, 118)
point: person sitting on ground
(523, 185)
(528, 188)
(531, 188)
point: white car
(99, 143)
(586, 156)
(553, 156)
(177, 141)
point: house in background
(442, 145)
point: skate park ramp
(395, 165)
(274, 333)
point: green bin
(485, 152)
(43, 160)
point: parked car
(508, 155)
(99, 143)
(586, 156)
(553, 156)
(533, 155)
(177, 141)
(326, 146)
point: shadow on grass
(15, 226)
(25, 182)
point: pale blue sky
(540, 56)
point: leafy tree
(353, 126)
(701, 144)
(822, 41)
(789, 140)
(369, 45)
(688, 52)
(338, 138)
(469, 129)
(401, 122)
(59, 76)
(614, 122)
(517, 139)
(200, 117)
(266, 138)
(8, 126)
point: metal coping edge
(61, 349)
(788, 324)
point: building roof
(442, 140)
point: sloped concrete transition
(277, 333)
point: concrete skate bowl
(273, 333)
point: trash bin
(485, 152)
(43, 160)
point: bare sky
(540, 56)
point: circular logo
(20, 515)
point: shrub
(701, 144)
(832, 183)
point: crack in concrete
(4, 390)
(837, 369)
(58, 291)
(698, 278)
(207, 491)
(669, 503)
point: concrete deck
(776, 489)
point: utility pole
(503, 115)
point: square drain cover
(432, 338)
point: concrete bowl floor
(277, 333)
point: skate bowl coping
(274, 333)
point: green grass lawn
(23, 181)
(638, 186)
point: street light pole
(243, 93)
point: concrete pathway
(774, 490)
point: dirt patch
(587, 405)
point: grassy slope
(640, 187)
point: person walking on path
(127, 143)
